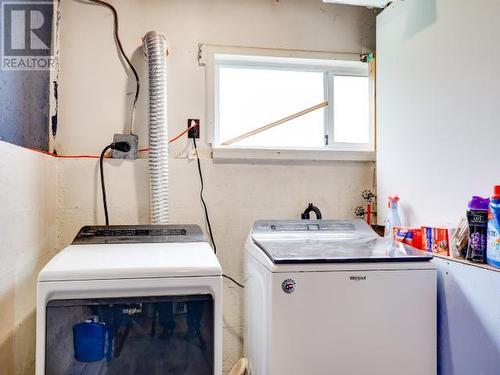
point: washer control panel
(138, 234)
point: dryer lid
(132, 261)
(329, 241)
(133, 252)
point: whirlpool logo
(132, 310)
(357, 278)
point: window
(351, 114)
(263, 102)
(253, 97)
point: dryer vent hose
(155, 46)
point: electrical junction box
(133, 140)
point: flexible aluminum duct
(155, 45)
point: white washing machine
(329, 297)
(131, 300)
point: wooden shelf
(466, 262)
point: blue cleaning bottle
(493, 246)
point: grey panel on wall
(24, 108)
(25, 94)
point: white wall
(93, 106)
(438, 106)
(438, 133)
(27, 242)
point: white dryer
(131, 300)
(332, 297)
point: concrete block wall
(27, 242)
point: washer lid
(329, 241)
(132, 261)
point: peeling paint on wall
(53, 117)
(54, 77)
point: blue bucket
(89, 341)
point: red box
(412, 237)
(436, 240)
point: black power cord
(207, 218)
(124, 55)
(103, 185)
(234, 281)
(120, 146)
(203, 200)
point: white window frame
(214, 57)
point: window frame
(330, 64)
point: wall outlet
(194, 132)
(133, 140)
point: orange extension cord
(97, 156)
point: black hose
(311, 208)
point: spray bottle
(493, 246)
(393, 217)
